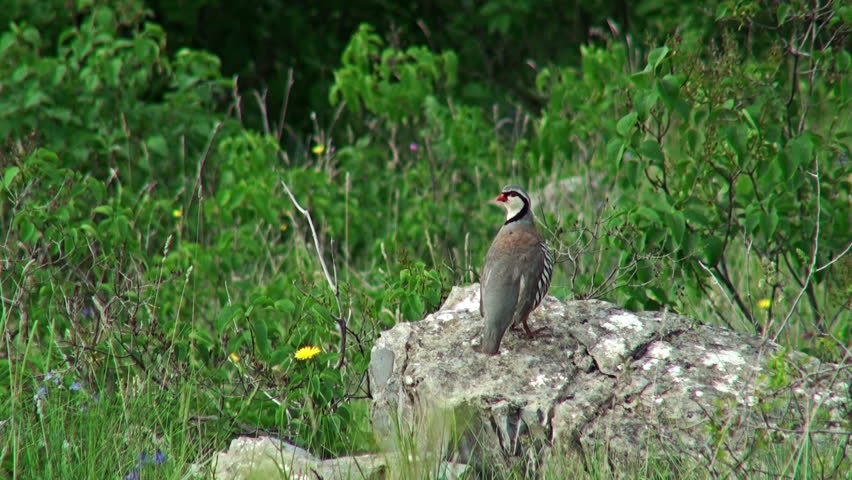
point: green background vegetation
(156, 279)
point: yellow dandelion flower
(235, 357)
(318, 149)
(307, 352)
(177, 213)
(764, 303)
(283, 228)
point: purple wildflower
(52, 377)
(133, 475)
(413, 147)
(41, 393)
(75, 387)
(159, 457)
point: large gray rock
(597, 377)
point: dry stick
(238, 99)
(335, 289)
(286, 102)
(838, 257)
(719, 284)
(261, 104)
(346, 251)
(201, 161)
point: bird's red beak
(502, 197)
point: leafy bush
(103, 98)
(727, 176)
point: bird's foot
(532, 333)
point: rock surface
(596, 376)
(267, 458)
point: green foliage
(390, 81)
(417, 291)
(103, 98)
(724, 165)
(151, 254)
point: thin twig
(332, 284)
(261, 104)
(201, 161)
(286, 102)
(719, 284)
(838, 257)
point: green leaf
(625, 125)
(321, 312)
(27, 230)
(737, 139)
(768, 223)
(744, 188)
(641, 79)
(9, 176)
(656, 57)
(226, 315)
(35, 97)
(669, 88)
(786, 164)
(801, 150)
(644, 102)
(844, 60)
(694, 140)
(104, 210)
(657, 294)
(285, 306)
(678, 227)
(412, 307)
(630, 173)
(615, 152)
(712, 250)
(696, 217)
(649, 214)
(261, 337)
(157, 144)
(783, 12)
(753, 218)
(20, 74)
(89, 229)
(651, 150)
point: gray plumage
(517, 270)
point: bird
(517, 270)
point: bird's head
(515, 201)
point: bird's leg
(530, 333)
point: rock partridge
(517, 270)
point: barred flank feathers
(544, 280)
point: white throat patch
(513, 206)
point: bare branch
(838, 257)
(332, 281)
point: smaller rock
(272, 459)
